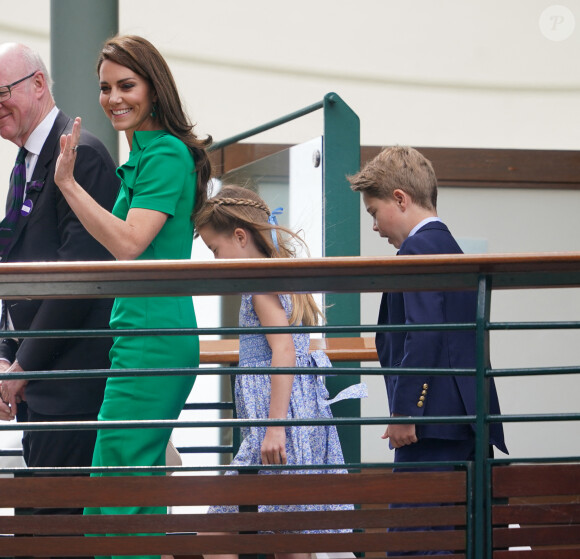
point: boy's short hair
(399, 167)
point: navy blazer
(51, 232)
(423, 395)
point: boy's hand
(401, 434)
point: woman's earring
(153, 113)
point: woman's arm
(271, 313)
(125, 240)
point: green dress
(159, 175)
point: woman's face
(126, 98)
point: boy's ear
(401, 198)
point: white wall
(457, 73)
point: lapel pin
(26, 208)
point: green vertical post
(482, 513)
(341, 157)
(78, 29)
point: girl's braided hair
(235, 206)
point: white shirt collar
(422, 223)
(36, 141)
(40, 133)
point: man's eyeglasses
(6, 90)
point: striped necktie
(17, 186)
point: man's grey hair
(34, 63)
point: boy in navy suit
(399, 190)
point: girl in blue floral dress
(237, 223)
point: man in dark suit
(399, 190)
(46, 230)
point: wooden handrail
(340, 274)
(225, 352)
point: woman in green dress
(162, 185)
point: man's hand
(12, 391)
(5, 412)
(400, 434)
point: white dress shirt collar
(40, 133)
(422, 223)
(36, 141)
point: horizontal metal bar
(217, 449)
(326, 329)
(11, 452)
(534, 460)
(524, 418)
(267, 126)
(334, 371)
(218, 468)
(237, 330)
(534, 371)
(171, 424)
(209, 406)
(562, 325)
(237, 423)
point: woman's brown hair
(140, 56)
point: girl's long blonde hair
(235, 206)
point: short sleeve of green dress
(160, 176)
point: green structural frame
(341, 222)
(341, 157)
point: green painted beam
(78, 29)
(341, 157)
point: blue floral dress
(311, 444)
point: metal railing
(330, 275)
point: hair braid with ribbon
(249, 216)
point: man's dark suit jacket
(442, 395)
(52, 233)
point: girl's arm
(125, 240)
(271, 313)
